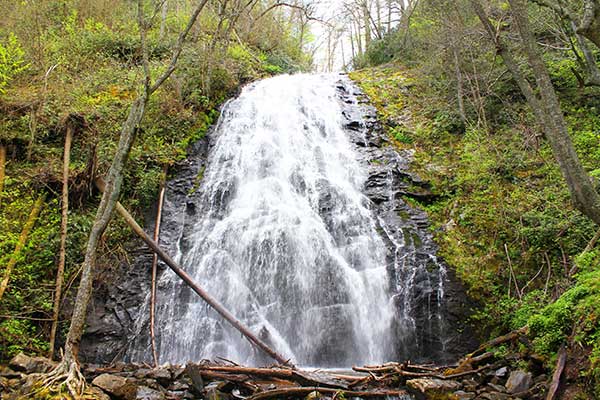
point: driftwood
(233, 381)
(560, 366)
(213, 303)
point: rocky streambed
(483, 375)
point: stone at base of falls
(429, 386)
(30, 365)
(117, 386)
(518, 381)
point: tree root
(65, 375)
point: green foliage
(12, 60)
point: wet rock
(493, 396)
(430, 386)
(146, 393)
(462, 395)
(117, 386)
(24, 363)
(518, 381)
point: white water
(283, 237)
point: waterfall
(283, 236)
(296, 223)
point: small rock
(146, 393)
(494, 396)
(24, 363)
(470, 385)
(461, 395)
(518, 381)
(116, 385)
(496, 388)
(501, 372)
(429, 386)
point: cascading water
(283, 237)
(293, 231)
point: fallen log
(500, 340)
(303, 391)
(305, 378)
(213, 303)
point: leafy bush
(12, 60)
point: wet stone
(519, 381)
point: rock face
(432, 303)
(114, 312)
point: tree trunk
(161, 197)
(590, 61)
(590, 24)
(163, 18)
(33, 215)
(60, 272)
(546, 109)
(459, 87)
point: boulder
(30, 365)
(117, 386)
(430, 386)
(518, 381)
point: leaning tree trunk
(590, 24)
(33, 215)
(546, 109)
(60, 272)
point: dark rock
(117, 386)
(8, 373)
(30, 365)
(519, 381)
